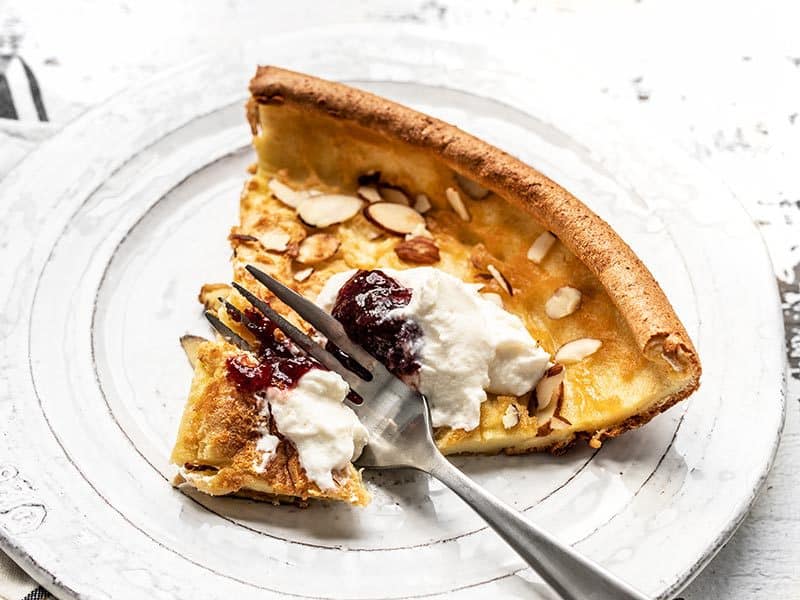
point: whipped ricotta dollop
(265, 445)
(326, 432)
(470, 345)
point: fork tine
(232, 309)
(303, 341)
(319, 319)
(226, 332)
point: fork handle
(570, 574)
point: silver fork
(400, 436)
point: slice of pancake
(330, 159)
(218, 451)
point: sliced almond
(472, 189)
(550, 387)
(564, 301)
(549, 396)
(303, 274)
(242, 237)
(500, 279)
(328, 209)
(275, 240)
(543, 416)
(369, 193)
(457, 204)
(559, 423)
(422, 204)
(540, 247)
(577, 350)
(316, 248)
(190, 345)
(479, 256)
(420, 231)
(511, 416)
(493, 298)
(394, 195)
(418, 250)
(285, 194)
(395, 218)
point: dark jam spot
(288, 371)
(247, 374)
(234, 314)
(277, 363)
(362, 307)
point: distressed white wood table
(723, 80)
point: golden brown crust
(216, 444)
(638, 297)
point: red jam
(277, 362)
(362, 306)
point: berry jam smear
(362, 307)
(277, 362)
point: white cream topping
(265, 446)
(470, 345)
(326, 433)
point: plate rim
(52, 582)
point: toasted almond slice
(190, 345)
(420, 231)
(328, 209)
(303, 274)
(394, 195)
(510, 417)
(550, 387)
(276, 240)
(564, 301)
(285, 194)
(493, 298)
(577, 350)
(422, 204)
(540, 247)
(316, 248)
(472, 189)
(395, 218)
(242, 237)
(544, 415)
(369, 193)
(456, 203)
(559, 423)
(550, 392)
(500, 279)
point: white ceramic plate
(109, 229)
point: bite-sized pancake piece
(220, 447)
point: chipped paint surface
(730, 99)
